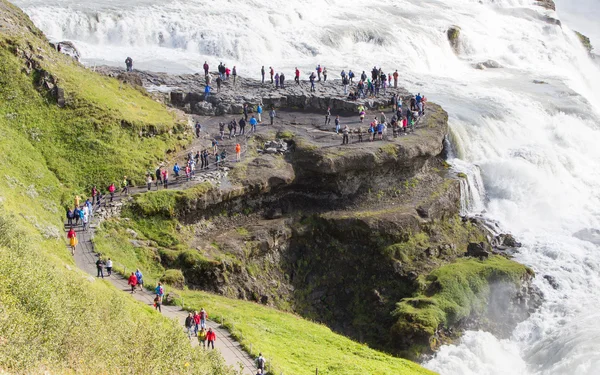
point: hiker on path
(159, 290)
(189, 325)
(109, 267)
(260, 362)
(70, 217)
(165, 178)
(262, 74)
(198, 129)
(272, 115)
(125, 185)
(81, 216)
(196, 318)
(219, 82)
(245, 110)
(158, 303)
(111, 190)
(94, 194)
(202, 338)
(328, 116)
(132, 281)
(238, 152)
(211, 337)
(158, 174)
(140, 278)
(149, 182)
(89, 206)
(242, 124)
(84, 213)
(76, 215)
(100, 268)
(72, 236)
(205, 159)
(203, 316)
(337, 124)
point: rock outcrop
(453, 34)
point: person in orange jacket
(211, 337)
(238, 152)
(132, 281)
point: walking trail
(85, 259)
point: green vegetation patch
(454, 292)
(168, 203)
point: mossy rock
(585, 41)
(454, 38)
(173, 278)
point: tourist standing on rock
(361, 113)
(140, 278)
(272, 115)
(282, 80)
(297, 76)
(253, 123)
(227, 74)
(234, 124)
(259, 111)
(206, 92)
(261, 362)
(221, 130)
(230, 128)
(271, 72)
(198, 129)
(238, 152)
(345, 132)
(242, 124)
(111, 190)
(343, 74)
(211, 337)
(165, 178)
(351, 76)
(319, 70)
(245, 110)
(324, 74)
(311, 78)
(262, 74)
(219, 82)
(205, 68)
(208, 79)
(189, 325)
(109, 267)
(363, 76)
(215, 146)
(72, 236)
(396, 79)
(277, 80)
(132, 281)
(202, 338)
(419, 100)
(328, 116)
(345, 82)
(129, 64)
(337, 124)
(234, 74)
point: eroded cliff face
(338, 234)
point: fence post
(317, 371)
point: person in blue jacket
(206, 92)
(253, 123)
(176, 170)
(259, 111)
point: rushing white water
(530, 151)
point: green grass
(168, 203)
(293, 345)
(453, 292)
(53, 317)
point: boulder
(489, 64)
(552, 281)
(170, 298)
(69, 49)
(477, 250)
(585, 41)
(131, 78)
(454, 38)
(548, 4)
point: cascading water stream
(528, 151)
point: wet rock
(477, 250)
(548, 4)
(170, 298)
(589, 234)
(552, 281)
(131, 78)
(489, 64)
(454, 38)
(68, 48)
(274, 213)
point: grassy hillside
(53, 317)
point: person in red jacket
(196, 318)
(211, 337)
(132, 281)
(111, 190)
(72, 236)
(297, 79)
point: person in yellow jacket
(202, 338)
